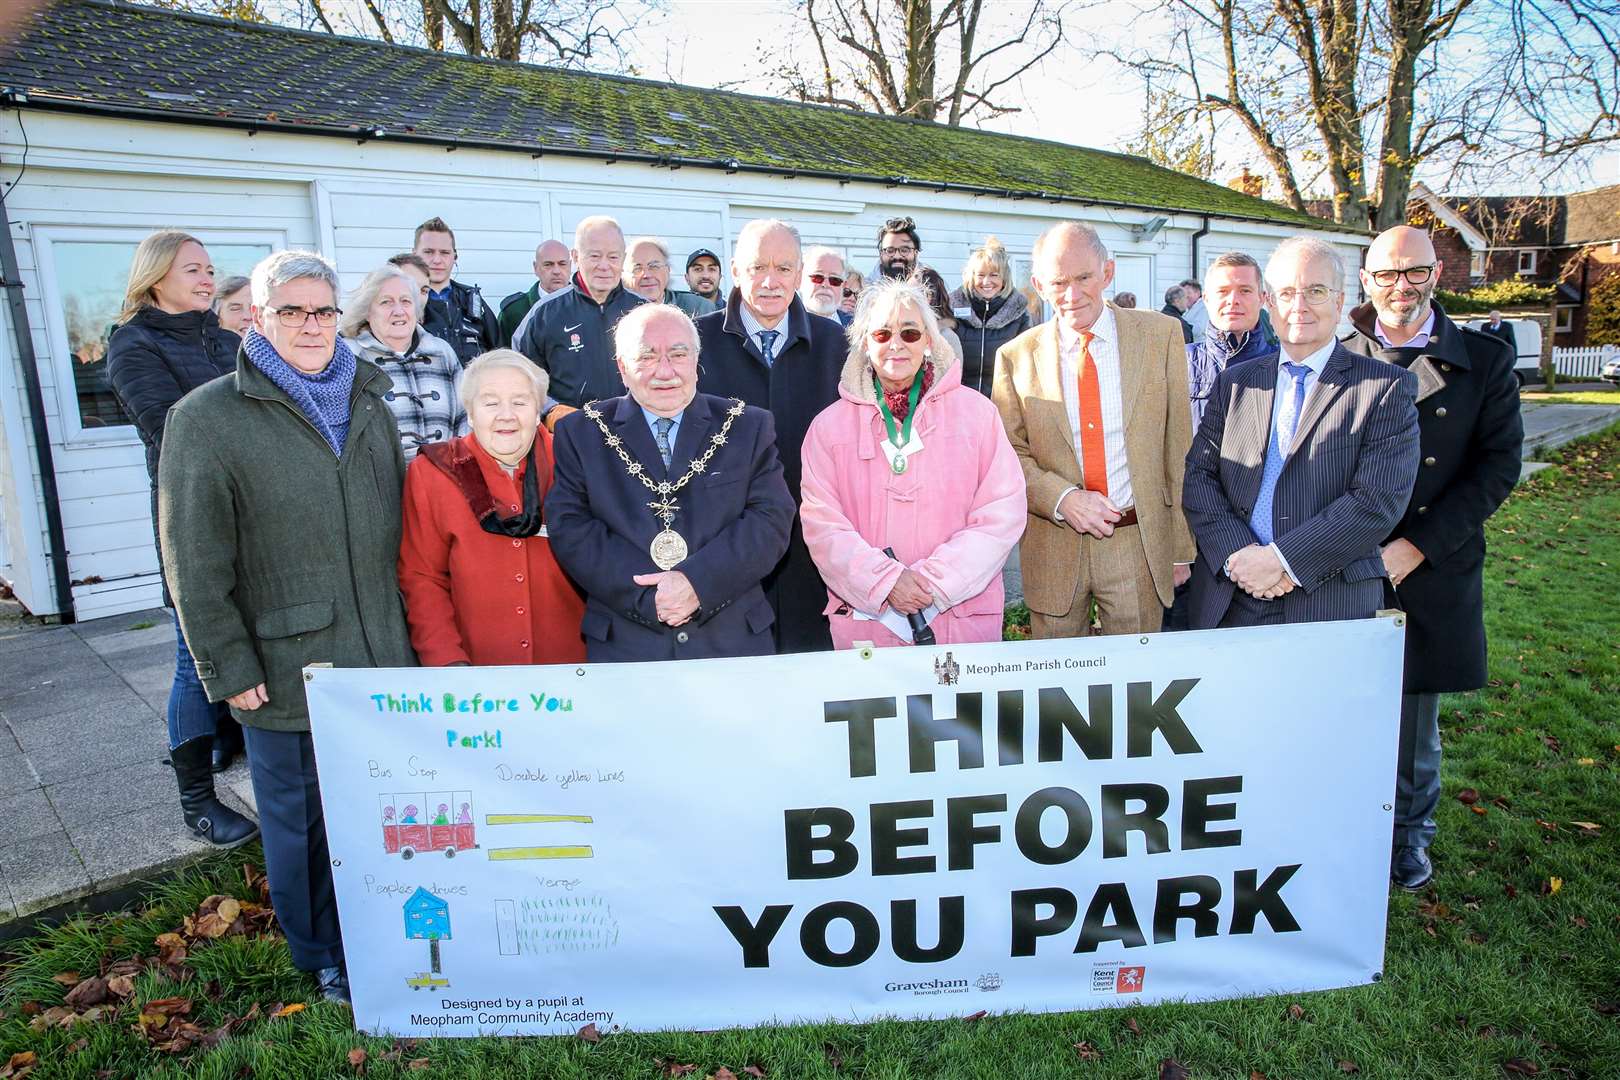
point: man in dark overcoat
(771, 352)
(668, 507)
(1471, 435)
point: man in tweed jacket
(1302, 465)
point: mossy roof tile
(111, 56)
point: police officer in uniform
(1470, 433)
(454, 312)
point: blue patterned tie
(767, 345)
(663, 424)
(1282, 440)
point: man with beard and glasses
(898, 248)
(1471, 434)
(822, 288)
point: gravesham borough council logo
(947, 670)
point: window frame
(70, 427)
(1531, 252)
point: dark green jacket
(278, 553)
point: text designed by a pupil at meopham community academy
(507, 1011)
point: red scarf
(899, 401)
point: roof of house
(1593, 216)
(115, 58)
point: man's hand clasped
(1089, 512)
(1401, 557)
(1257, 571)
(675, 598)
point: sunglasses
(910, 335)
(851, 292)
(826, 279)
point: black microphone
(921, 632)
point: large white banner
(903, 833)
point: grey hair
(628, 335)
(812, 255)
(233, 284)
(748, 239)
(1075, 230)
(995, 254)
(1310, 248)
(503, 360)
(357, 308)
(663, 248)
(1238, 258)
(595, 221)
(1174, 295)
(277, 269)
(878, 302)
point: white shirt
(1419, 340)
(1105, 356)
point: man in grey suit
(1303, 464)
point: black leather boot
(227, 741)
(205, 814)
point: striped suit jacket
(1344, 487)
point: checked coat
(1344, 486)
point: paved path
(87, 804)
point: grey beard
(1389, 317)
(817, 307)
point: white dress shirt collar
(1316, 361)
(1104, 328)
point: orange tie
(1093, 452)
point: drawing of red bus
(427, 821)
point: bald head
(1400, 276)
(552, 266)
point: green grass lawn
(1573, 397)
(1509, 965)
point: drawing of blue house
(427, 917)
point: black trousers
(1417, 770)
(288, 795)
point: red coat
(478, 597)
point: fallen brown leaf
(1133, 1026)
(1256, 1074)
(1296, 1011)
(1468, 796)
(417, 1064)
(1588, 828)
(1478, 809)
(288, 1010)
(91, 991)
(1349, 1067)
(357, 1060)
(673, 1068)
(21, 1064)
(1171, 1069)
(755, 1071)
(66, 978)
(589, 1034)
(971, 1017)
(121, 986)
(1521, 1067)
(722, 1073)
(1087, 1052)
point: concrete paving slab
(118, 624)
(83, 726)
(17, 775)
(119, 850)
(30, 637)
(29, 814)
(93, 687)
(27, 670)
(43, 872)
(160, 635)
(1547, 426)
(114, 792)
(121, 745)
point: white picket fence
(1585, 362)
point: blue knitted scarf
(323, 398)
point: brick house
(1567, 242)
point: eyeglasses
(826, 279)
(1414, 275)
(910, 335)
(851, 292)
(650, 268)
(892, 252)
(1314, 295)
(294, 317)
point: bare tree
(950, 59)
(1358, 94)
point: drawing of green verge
(555, 924)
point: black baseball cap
(701, 253)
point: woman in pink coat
(911, 461)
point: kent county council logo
(1108, 979)
(947, 670)
(989, 982)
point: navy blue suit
(1345, 485)
(735, 517)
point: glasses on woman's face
(1414, 275)
(910, 335)
(294, 317)
(827, 279)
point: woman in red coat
(481, 586)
